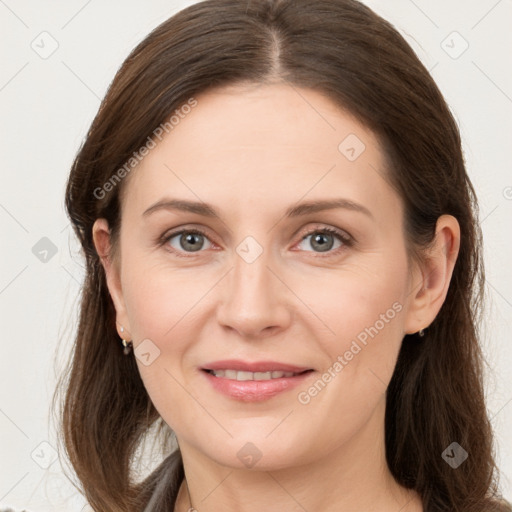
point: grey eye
(322, 241)
(188, 241)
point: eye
(192, 242)
(324, 239)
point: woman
(283, 271)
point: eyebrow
(207, 210)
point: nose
(255, 301)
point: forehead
(263, 145)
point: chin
(256, 454)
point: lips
(254, 381)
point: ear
(102, 243)
(429, 286)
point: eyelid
(346, 239)
(166, 237)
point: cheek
(365, 315)
(158, 298)
(368, 318)
(157, 306)
(163, 307)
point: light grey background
(47, 105)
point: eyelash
(346, 240)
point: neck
(351, 478)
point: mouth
(253, 382)
(237, 375)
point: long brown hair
(345, 51)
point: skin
(252, 152)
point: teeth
(239, 375)
(244, 376)
(262, 375)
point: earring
(421, 332)
(127, 347)
(126, 344)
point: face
(264, 284)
